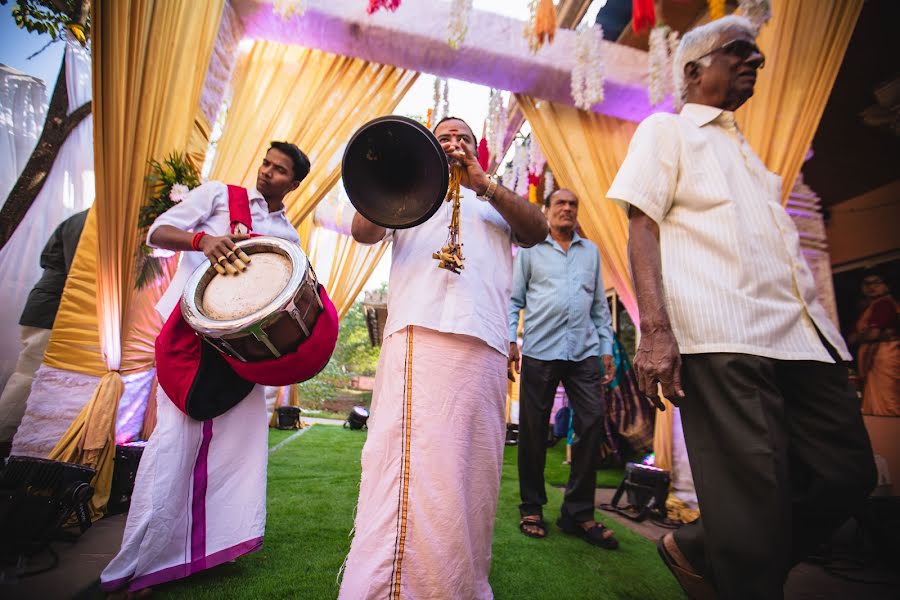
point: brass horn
(395, 172)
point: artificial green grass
(312, 490)
(557, 474)
(324, 414)
(564, 567)
(276, 436)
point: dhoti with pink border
(430, 470)
(200, 495)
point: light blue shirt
(566, 313)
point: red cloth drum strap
(239, 209)
(203, 383)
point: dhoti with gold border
(430, 470)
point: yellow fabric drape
(75, 342)
(804, 45)
(198, 142)
(91, 439)
(343, 265)
(584, 151)
(146, 56)
(310, 98)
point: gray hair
(701, 41)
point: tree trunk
(57, 128)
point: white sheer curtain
(69, 189)
(23, 106)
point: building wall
(865, 226)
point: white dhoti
(430, 470)
(200, 495)
(15, 395)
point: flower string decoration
(657, 60)
(286, 9)
(520, 169)
(589, 71)
(536, 160)
(459, 22)
(540, 28)
(496, 124)
(441, 99)
(376, 5)
(549, 183)
(759, 12)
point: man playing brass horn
(431, 464)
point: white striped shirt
(733, 276)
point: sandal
(535, 522)
(694, 585)
(594, 536)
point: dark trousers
(581, 380)
(780, 458)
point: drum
(259, 314)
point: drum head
(395, 172)
(235, 302)
(226, 297)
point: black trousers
(780, 458)
(539, 381)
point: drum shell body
(274, 330)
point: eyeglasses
(740, 49)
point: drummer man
(200, 495)
(432, 459)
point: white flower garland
(441, 100)
(549, 183)
(520, 169)
(288, 8)
(657, 60)
(528, 32)
(459, 22)
(536, 160)
(496, 124)
(589, 71)
(673, 40)
(663, 43)
(758, 11)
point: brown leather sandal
(534, 521)
(693, 584)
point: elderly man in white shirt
(431, 464)
(733, 332)
(200, 495)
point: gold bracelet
(491, 188)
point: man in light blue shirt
(568, 334)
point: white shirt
(473, 302)
(733, 275)
(206, 209)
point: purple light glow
(415, 38)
